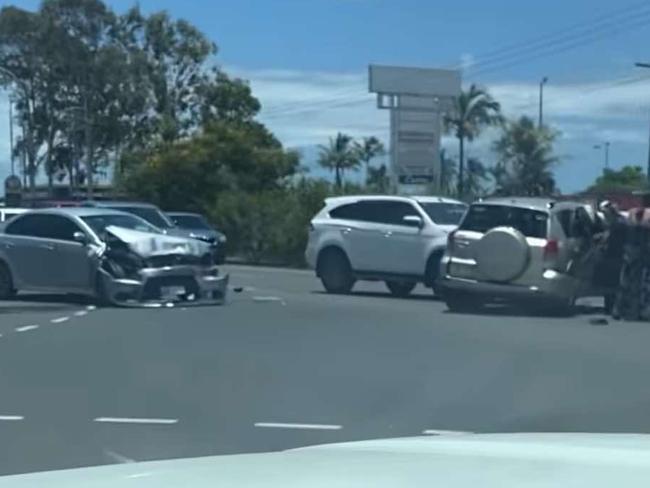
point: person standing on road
(610, 243)
(633, 295)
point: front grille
(173, 260)
(153, 286)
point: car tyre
(432, 272)
(335, 272)
(400, 289)
(7, 289)
(459, 302)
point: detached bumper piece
(183, 285)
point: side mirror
(413, 221)
(80, 237)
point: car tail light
(551, 250)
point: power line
(565, 34)
(606, 25)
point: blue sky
(307, 62)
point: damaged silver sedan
(115, 257)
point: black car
(199, 228)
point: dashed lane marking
(81, 313)
(11, 417)
(269, 299)
(117, 457)
(135, 420)
(60, 320)
(90, 308)
(280, 425)
(444, 432)
(26, 328)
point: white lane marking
(140, 475)
(269, 299)
(11, 417)
(117, 457)
(280, 425)
(234, 268)
(134, 420)
(60, 320)
(25, 328)
(90, 308)
(444, 432)
(81, 313)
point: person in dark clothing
(633, 294)
(609, 247)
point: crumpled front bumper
(201, 285)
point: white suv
(399, 240)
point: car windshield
(150, 214)
(481, 218)
(444, 213)
(190, 222)
(98, 223)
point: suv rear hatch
(501, 243)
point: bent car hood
(147, 244)
(468, 461)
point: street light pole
(604, 146)
(646, 65)
(11, 136)
(541, 100)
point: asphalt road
(284, 365)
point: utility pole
(604, 146)
(541, 100)
(646, 65)
(11, 136)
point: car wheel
(432, 272)
(400, 288)
(6, 283)
(335, 272)
(565, 307)
(460, 302)
(101, 298)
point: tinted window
(444, 213)
(150, 214)
(28, 225)
(351, 211)
(384, 212)
(565, 217)
(98, 223)
(481, 218)
(190, 222)
(45, 226)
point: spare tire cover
(502, 254)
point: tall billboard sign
(417, 99)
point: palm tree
(447, 181)
(368, 149)
(474, 110)
(477, 176)
(338, 156)
(526, 160)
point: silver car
(114, 256)
(516, 249)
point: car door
(74, 264)
(361, 234)
(403, 245)
(30, 253)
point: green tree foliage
(188, 174)
(628, 178)
(474, 110)
(93, 86)
(525, 159)
(366, 150)
(338, 156)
